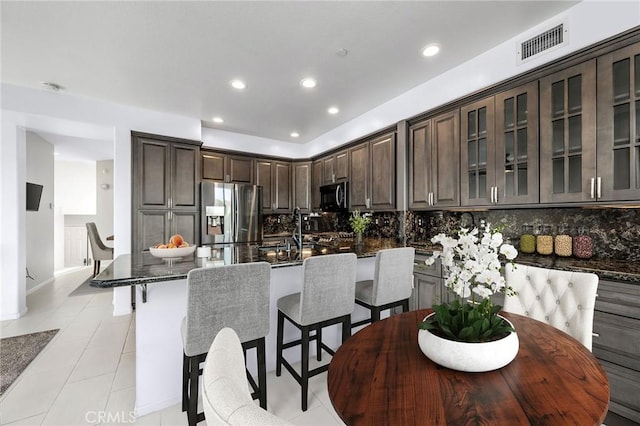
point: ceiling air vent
(543, 42)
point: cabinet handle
(495, 198)
(169, 201)
(433, 198)
(595, 334)
(593, 187)
(599, 187)
(491, 195)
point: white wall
(104, 199)
(39, 224)
(59, 113)
(77, 183)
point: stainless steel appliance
(231, 213)
(334, 197)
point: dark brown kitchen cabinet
(616, 344)
(227, 167)
(516, 148)
(568, 135)
(434, 146)
(275, 178)
(372, 174)
(477, 142)
(165, 192)
(335, 168)
(359, 178)
(316, 182)
(428, 285)
(302, 185)
(618, 165)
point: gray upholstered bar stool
(235, 296)
(391, 285)
(327, 298)
(98, 249)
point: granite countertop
(125, 269)
(607, 269)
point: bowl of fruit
(176, 248)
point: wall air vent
(541, 43)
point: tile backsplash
(615, 232)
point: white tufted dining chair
(563, 299)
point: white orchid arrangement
(474, 273)
(473, 261)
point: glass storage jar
(527, 240)
(583, 244)
(563, 243)
(544, 240)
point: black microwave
(334, 197)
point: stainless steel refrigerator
(231, 213)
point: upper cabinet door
(619, 125)
(264, 178)
(185, 164)
(239, 169)
(477, 154)
(153, 173)
(445, 160)
(516, 160)
(282, 187)
(419, 165)
(341, 167)
(302, 185)
(316, 182)
(568, 135)
(382, 191)
(213, 166)
(359, 181)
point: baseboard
(42, 284)
(151, 408)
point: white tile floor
(85, 375)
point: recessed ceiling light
(333, 110)
(431, 50)
(295, 134)
(308, 82)
(342, 52)
(218, 120)
(238, 84)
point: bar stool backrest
(235, 296)
(393, 277)
(328, 287)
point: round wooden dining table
(379, 376)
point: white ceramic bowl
(172, 253)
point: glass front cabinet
(568, 135)
(499, 149)
(619, 125)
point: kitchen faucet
(297, 233)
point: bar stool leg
(305, 366)
(375, 314)
(319, 343)
(185, 381)
(405, 305)
(346, 328)
(279, 344)
(192, 410)
(262, 373)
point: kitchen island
(158, 338)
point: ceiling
(179, 57)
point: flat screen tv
(34, 193)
